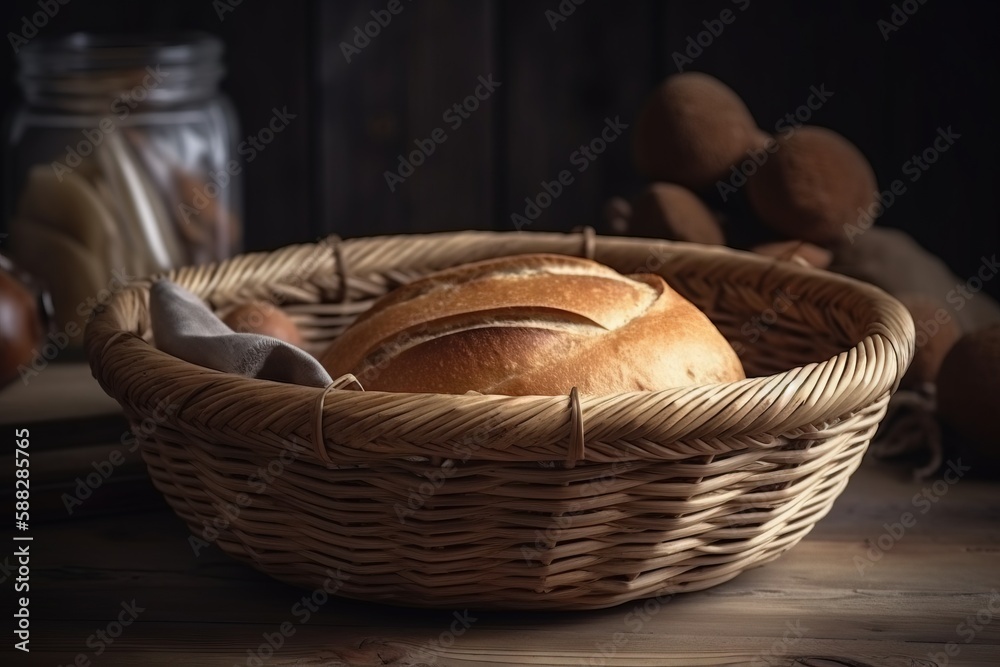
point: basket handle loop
(589, 237)
(576, 441)
(318, 444)
(337, 245)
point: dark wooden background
(324, 173)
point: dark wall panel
(565, 85)
(394, 98)
(326, 172)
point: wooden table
(859, 590)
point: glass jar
(120, 163)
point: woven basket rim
(397, 425)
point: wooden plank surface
(814, 606)
(57, 391)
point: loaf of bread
(532, 325)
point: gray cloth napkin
(184, 327)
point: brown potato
(617, 212)
(691, 130)
(667, 210)
(969, 389)
(937, 331)
(812, 186)
(893, 260)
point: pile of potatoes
(807, 201)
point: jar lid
(84, 71)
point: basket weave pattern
(513, 502)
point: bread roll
(532, 325)
(264, 318)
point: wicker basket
(528, 502)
